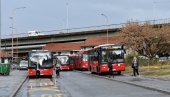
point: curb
(142, 86)
(145, 87)
(13, 94)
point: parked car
(163, 59)
(23, 64)
(15, 65)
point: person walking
(135, 66)
(110, 69)
(57, 69)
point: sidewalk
(10, 84)
(145, 82)
(142, 81)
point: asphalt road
(42, 87)
(75, 84)
(82, 85)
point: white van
(34, 33)
(23, 64)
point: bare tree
(132, 36)
(146, 39)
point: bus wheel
(119, 72)
(29, 77)
(90, 69)
(50, 76)
(100, 73)
(92, 72)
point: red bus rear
(64, 61)
(98, 58)
(40, 63)
(81, 61)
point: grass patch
(158, 69)
(152, 68)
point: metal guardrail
(91, 28)
(21, 47)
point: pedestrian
(37, 70)
(110, 67)
(57, 69)
(135, 66)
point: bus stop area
(11, 83)
(151, 83)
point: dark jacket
(135, 64)
(110, 65)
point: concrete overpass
(26, 43)
(22, 45)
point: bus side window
(95, 58)
(90, 59)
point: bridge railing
(83, 29)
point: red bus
(98, 57)
(81, 60)
(65, 61)
(40, 63)
(72, 58)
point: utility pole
(67, 16)
(107, 24)
(12, 30)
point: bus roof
(103, 45)
(59, 55)
(39, 50)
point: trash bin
(4, 69)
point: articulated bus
(40, 63)
(98, 58)
(65, 61)
(81, 60)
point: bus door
(72, 62)
(104, 61)
(94, 62)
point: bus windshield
(85, 57)
(116, 56)
(63, 60)
(42, 59)
(71, 60)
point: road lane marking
(58, 95)
(43, 84)
(46, 95)
(32, 80)
(51, 83)
(37, 85)
(49, 95)
(44, 89)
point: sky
(47, 15)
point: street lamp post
(67, 16)
(107, 23)
(12, 27)
(12, 38)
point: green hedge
(142, 61)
